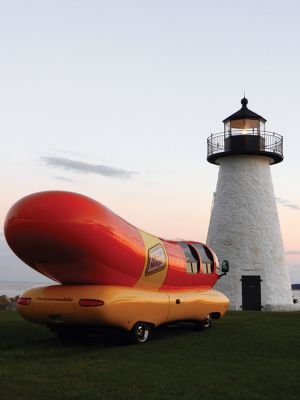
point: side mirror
(225, 267)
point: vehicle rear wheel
(140, 333)
(204, 323)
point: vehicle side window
(192, 260)
(206, 258)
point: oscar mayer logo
(156, 259)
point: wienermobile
(109, 273)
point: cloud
(293, 252)
(287, 203)
(63, 178)
(87, 168)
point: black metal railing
(271, 142)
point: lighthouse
(244, 225)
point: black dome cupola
(244, 134)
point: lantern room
(245, 134)
(244, 121)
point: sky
(115, 100)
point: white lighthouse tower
(244, 225)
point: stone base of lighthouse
(244, 229)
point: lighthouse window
(206, 258)
(192, 263)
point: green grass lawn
(246, 355)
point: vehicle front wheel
(140, 333)
(204, 323)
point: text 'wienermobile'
(109, 273)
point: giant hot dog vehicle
(109, 273)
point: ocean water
(12, 289)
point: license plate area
(56, 318)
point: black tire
(140, 333)
(204, 323)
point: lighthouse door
(251, 292)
